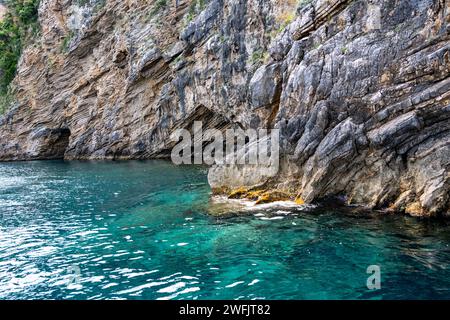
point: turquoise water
(141, 230)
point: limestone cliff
(359, 89)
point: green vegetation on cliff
(18, 26)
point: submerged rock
(359, 89)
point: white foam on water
(234, 284)
(187, 290)
(10, 203)
(182, 244)
(272, 218)
(141, 287)
(253, 282)
(173, 288)
(248, 205)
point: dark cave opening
(59, 141)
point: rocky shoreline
(360, 91)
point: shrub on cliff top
(17, 27)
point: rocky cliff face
(359, 89)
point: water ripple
(141, 230)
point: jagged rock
(264, 86)
(359, 89)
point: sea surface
(151, 230)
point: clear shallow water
(140, 230)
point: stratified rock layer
(359, 89)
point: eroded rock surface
(359, 89)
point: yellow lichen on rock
(238, 193)
(220, 191)
(272, 196)
(299, 201)
(254, 195)
(260, 196)
(414, 209)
